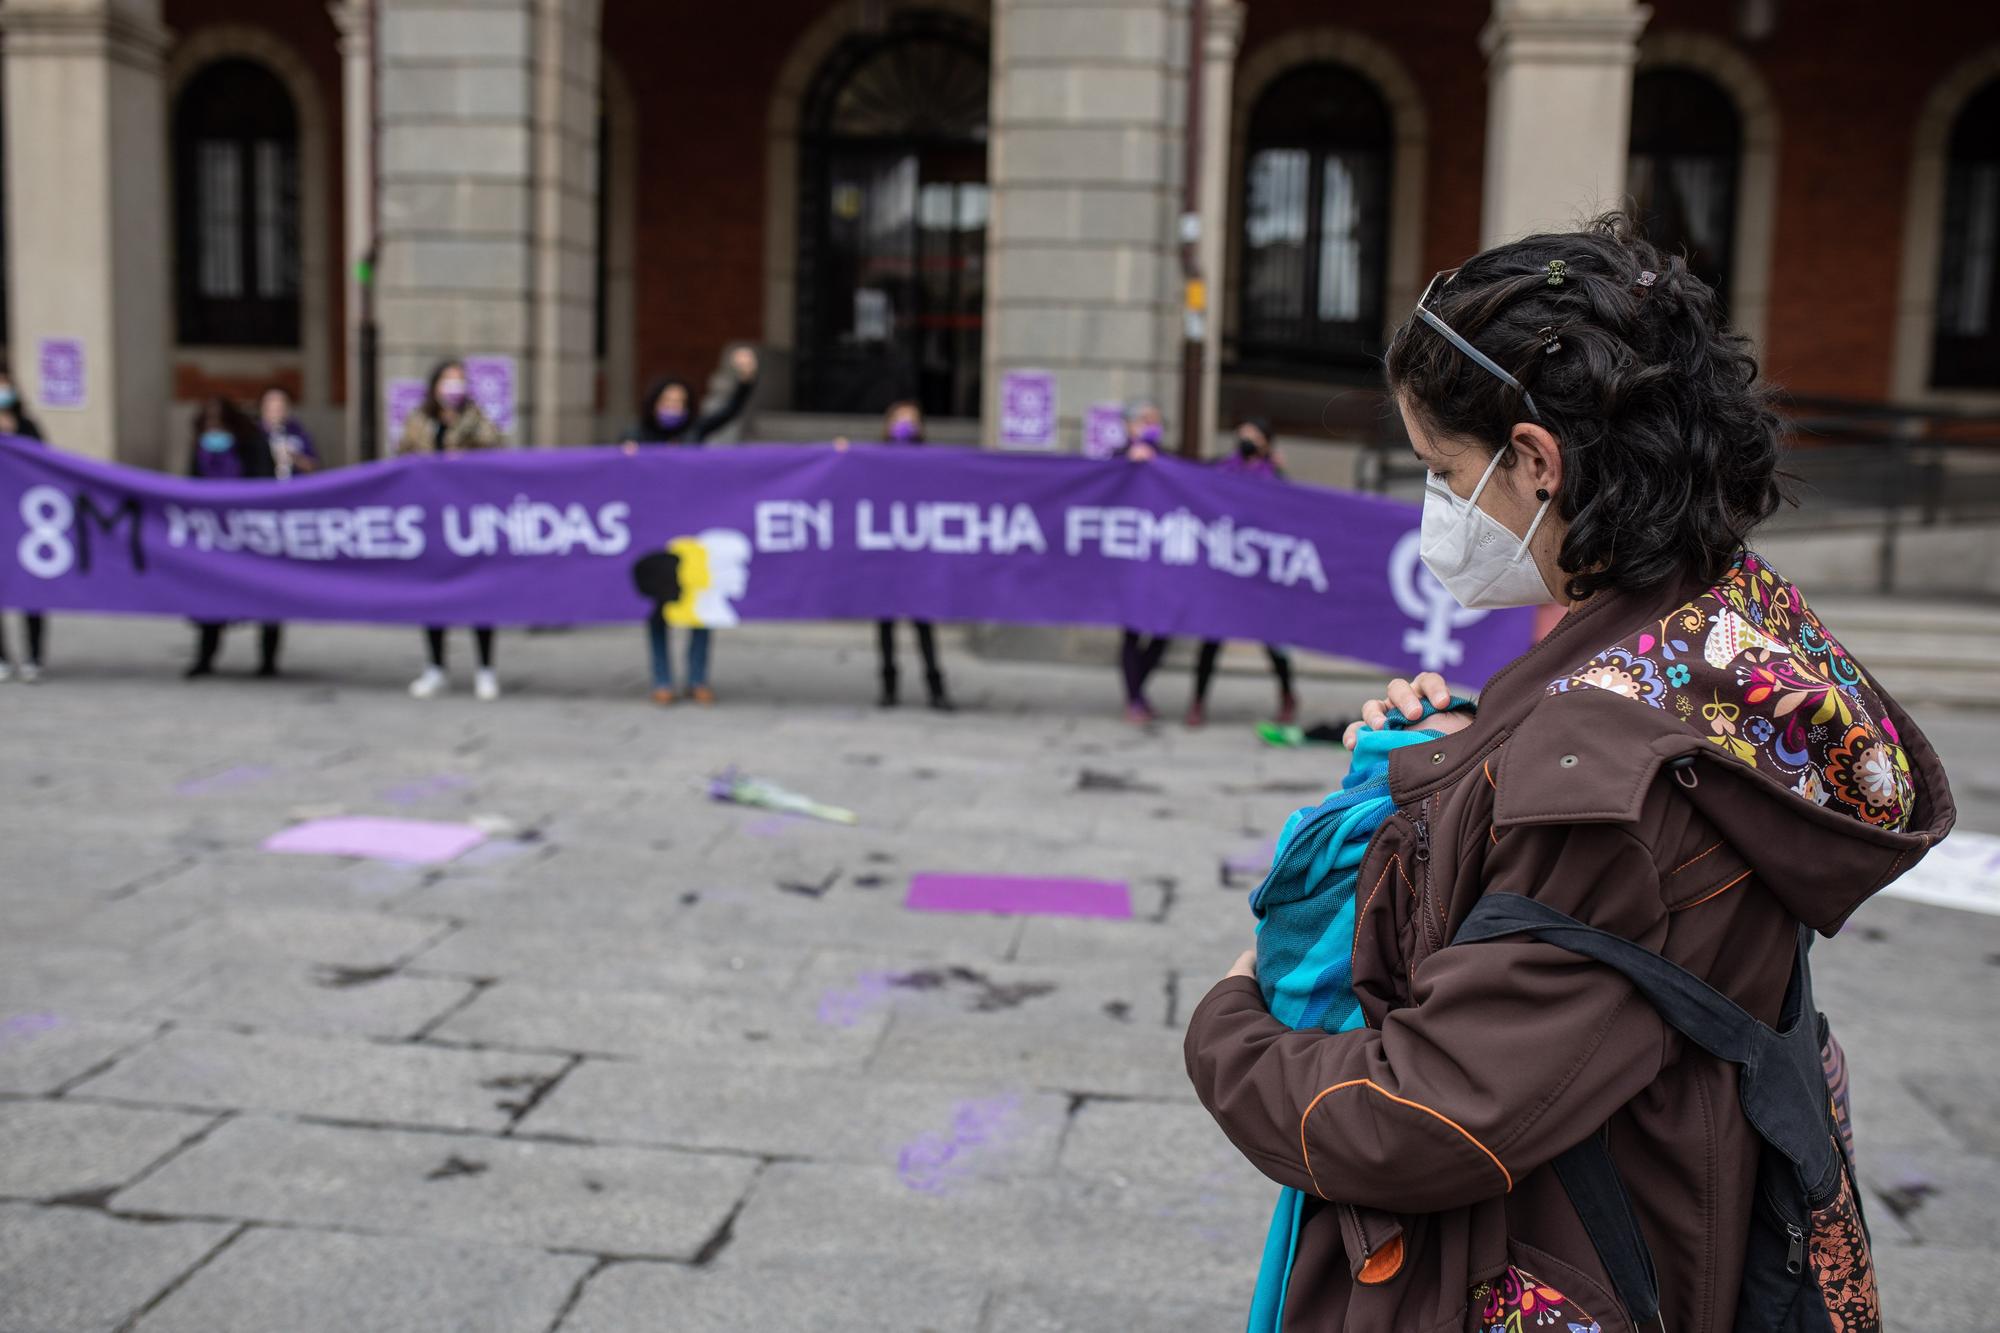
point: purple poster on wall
(491, 380)
(399, 399)
(574, 536)
(1103, 430)
(1028, 409)
(61, 363)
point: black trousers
(1204, 668)
(885, 643)
(36, 623)
(482, 640)
(1138, 659)
(208, 642)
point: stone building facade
(916, 197)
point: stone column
(1084, 171)
(1559, 111)
(356, 21)
(1224, 38)
(87, 217)
(488, 132)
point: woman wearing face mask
(15, 421)
(667, 416)
(292, 451)
(1139, 655)
(229, 447)
(1254, 457)
(447, 422)
(1689, 764)
(902, 424)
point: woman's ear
(1540, 468)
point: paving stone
(1937, 1286)
(71, 1270)
(331, 1282)
(1173, 1245)
(310, 935)
(585, 958)
(826, 1297)
(939, 1132)
(740, 1020)
(1102, 1056)
(58, 1147)
(631, 1201)
(86, 982)
(1169, 1143)
(327, 1077)
(846, 986)
(1046, 1310)
(40, 1051)
(314, 999)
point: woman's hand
(1246, 965)
(744, 362)
(1405, 697)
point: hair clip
(1646, 280)
(1557, 270)
(1551, 339)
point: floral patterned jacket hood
(1749, 668)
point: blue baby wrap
(1305, 947)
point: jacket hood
(1818, 779)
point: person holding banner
(228, 447)
(292, 451)
(15, 421)
(903, 424)
(448, 422)
(1139, 655)
(1254, 457)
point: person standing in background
(903, 424)
(292, 451)
(1138, 654)
(228, 446)
(666, 416)
(15, 421)
(725, 402)
(449, 422)
(1254, 457)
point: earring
(1542, 494)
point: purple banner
(569, 536)
(1028, 410)
(60, 361)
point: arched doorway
(1314, 245)
(1967, 350)
(236, 208)
(892, 225)
(1686, 160)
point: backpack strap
(1596, 1191)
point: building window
(1315, 221)
(236, 192)
(892, 240)
(1686, 159)
(1967, 354)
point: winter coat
(1697, 770)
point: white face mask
(1479, 562)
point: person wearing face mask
(15, 421)
(903, 424)
(448, 422)
(667, 416)
(1139, 654)
(1254, 456)
(292, 451)
(1578, 938)
(228, 446)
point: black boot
(940, 701)
(887, 699)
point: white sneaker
(29, 672)
(429, 685)
(486, 686)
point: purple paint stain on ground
(27, 1025)
(242, 775)
(1020, 895)
(422, 789)
(415, 841)
(930, 1162)
(772, 826)
(846, 1008)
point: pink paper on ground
(1020, 895)
(417, 841)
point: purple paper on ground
(416, 841)
(1020, 895)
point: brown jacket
(1694, 769)
(426, 434)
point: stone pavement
(654, 1063)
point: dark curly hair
(1669, 440)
